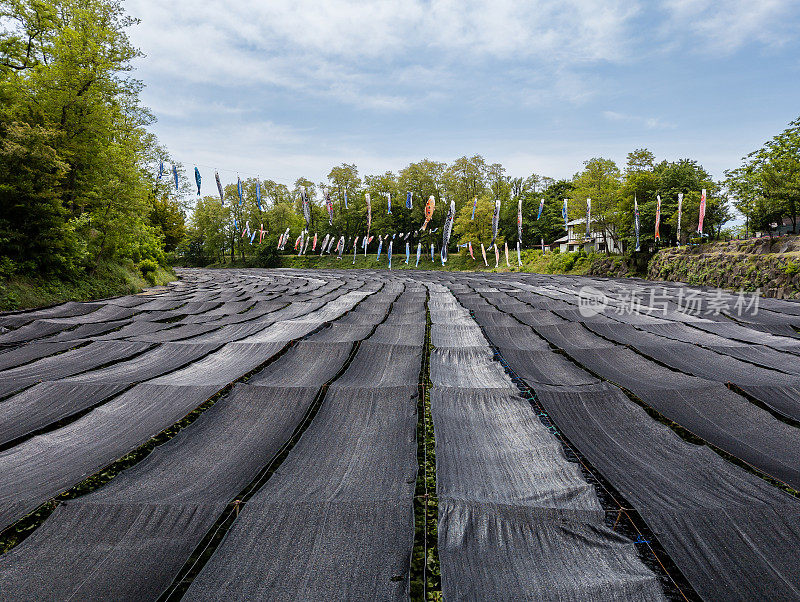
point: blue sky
(289, 89)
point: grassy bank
(771, 266)
(109, 280)
(533, 260)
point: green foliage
(75, 190)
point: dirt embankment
(773, 266)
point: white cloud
(651, 123)
(724, 26)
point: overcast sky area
(288, 89)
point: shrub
(148, 268)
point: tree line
(468, 182)
(75, 187)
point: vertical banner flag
(430, 207)
(388, 202)
(474, 205)
(519, 221)
(258, 193)
(564, 214)
(408, 252)
(409, 201)
(483, 252)
(160, 169)
(658, 216)
(239, 188)
(680, 210)
(219, 188)
(197, 179)
(369, 213)
(519, 255)
(329, 207)
(495, 220)
(541, 206)
(588, 218)
(175, 175)
(419, 252)
(306, 205)
(636, 221)
(702, 212)
(448, 228)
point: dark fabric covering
(546, 367)
(312, 550)
(41, 467)
(382, 365)
(306, 364)
(46, 403)
(341, 501)
(88, 331)
(783, 399)
(665, 478)
(35, 330)
(224, 366)
(31, 352)
(497, 552)
(153, 362)
(341, 333)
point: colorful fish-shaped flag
(197, 179)
(219, 188)
(483, 252)
(636, 221)
(432, 252)
(305, 203)
(380, 247)
(261, 233)
(324, 243)
(389, 253)
(355, 249)
(680, 211)
(474, 205)
(519, 220)
(175, 175)
(519, 255)
(564, 214)
(408, 252)
(340, 247)
(160, 169)
(507, 262)
(658, 217)
(469, 246)
(495, 221)
(588, 218)
(496, 257)
(345, 198)
(430, 207)
(419, 252)
(239, 189)
(314, 244)
(258, 194)
(388, 202)
(329, 207)
(448, 228)
(541, 206)
(409, 201)
(369, 212)
(702, 216)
